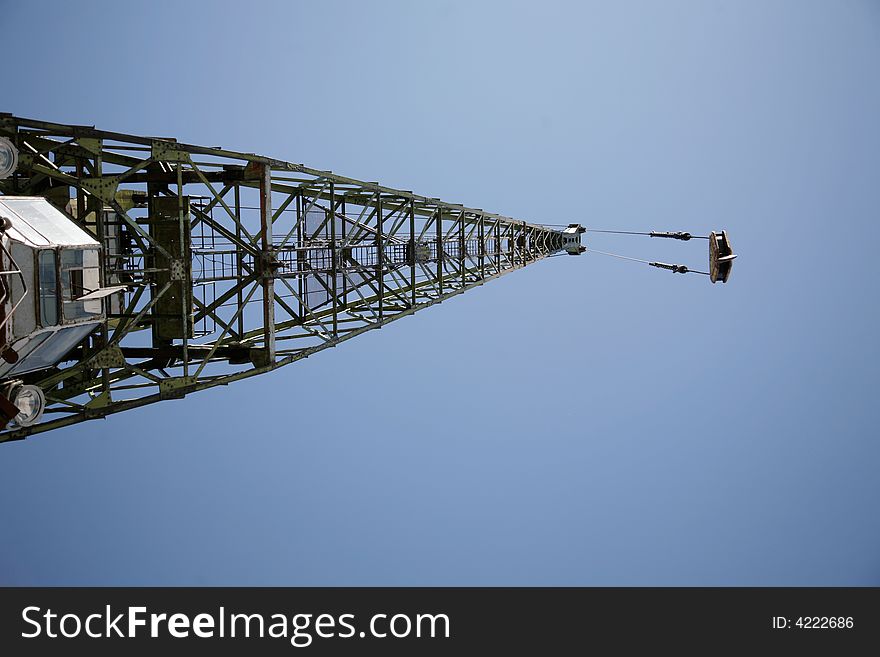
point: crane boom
(215, 266)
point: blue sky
(585, 421)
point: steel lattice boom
(217, 265)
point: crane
(138, 269)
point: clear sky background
(585, 421)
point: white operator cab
(50, 296)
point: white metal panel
(41, 223)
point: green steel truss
(237, 264)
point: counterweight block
(173, 311)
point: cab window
(48, 288)
(79, 276)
